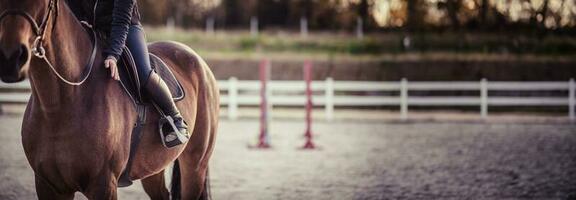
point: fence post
(303, 27)
(254, 26)
(329, 98)
(572, 100)
(232, 98)
(170, 24)
(210, 25)
(484, 98)
(359, 28)
(404, 99)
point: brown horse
(76, 136)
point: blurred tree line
(412, 15)
(506, 15)
(230, 14)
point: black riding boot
(159, 92)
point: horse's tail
(175, 189)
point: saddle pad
(166, 73)
(130, 81)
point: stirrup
(171, 135)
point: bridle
(39, 30)
(40, 33)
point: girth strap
(124, 179)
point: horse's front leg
(104, 187)
(45, 191)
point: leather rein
(40, 32)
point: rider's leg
(152, 83)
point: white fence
(339, 93)
(331, 94)
(15, 93)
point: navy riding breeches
(136, 42)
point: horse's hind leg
(45, 191)
(154, 187)
(193, 181)
(193, 165)
(190, 184)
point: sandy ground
(365, 160)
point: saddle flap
(129, 76)
(130, 81)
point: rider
(120, 21)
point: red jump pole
(308, 134)
(263, 138)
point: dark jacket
(111, 17)
(114, 17)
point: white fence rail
(331, 94)
(15, 93)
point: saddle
(130, 83)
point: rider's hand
(110, 62)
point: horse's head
(21, 23)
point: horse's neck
(68, 48)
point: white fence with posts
(331, 94)
(15, 93)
